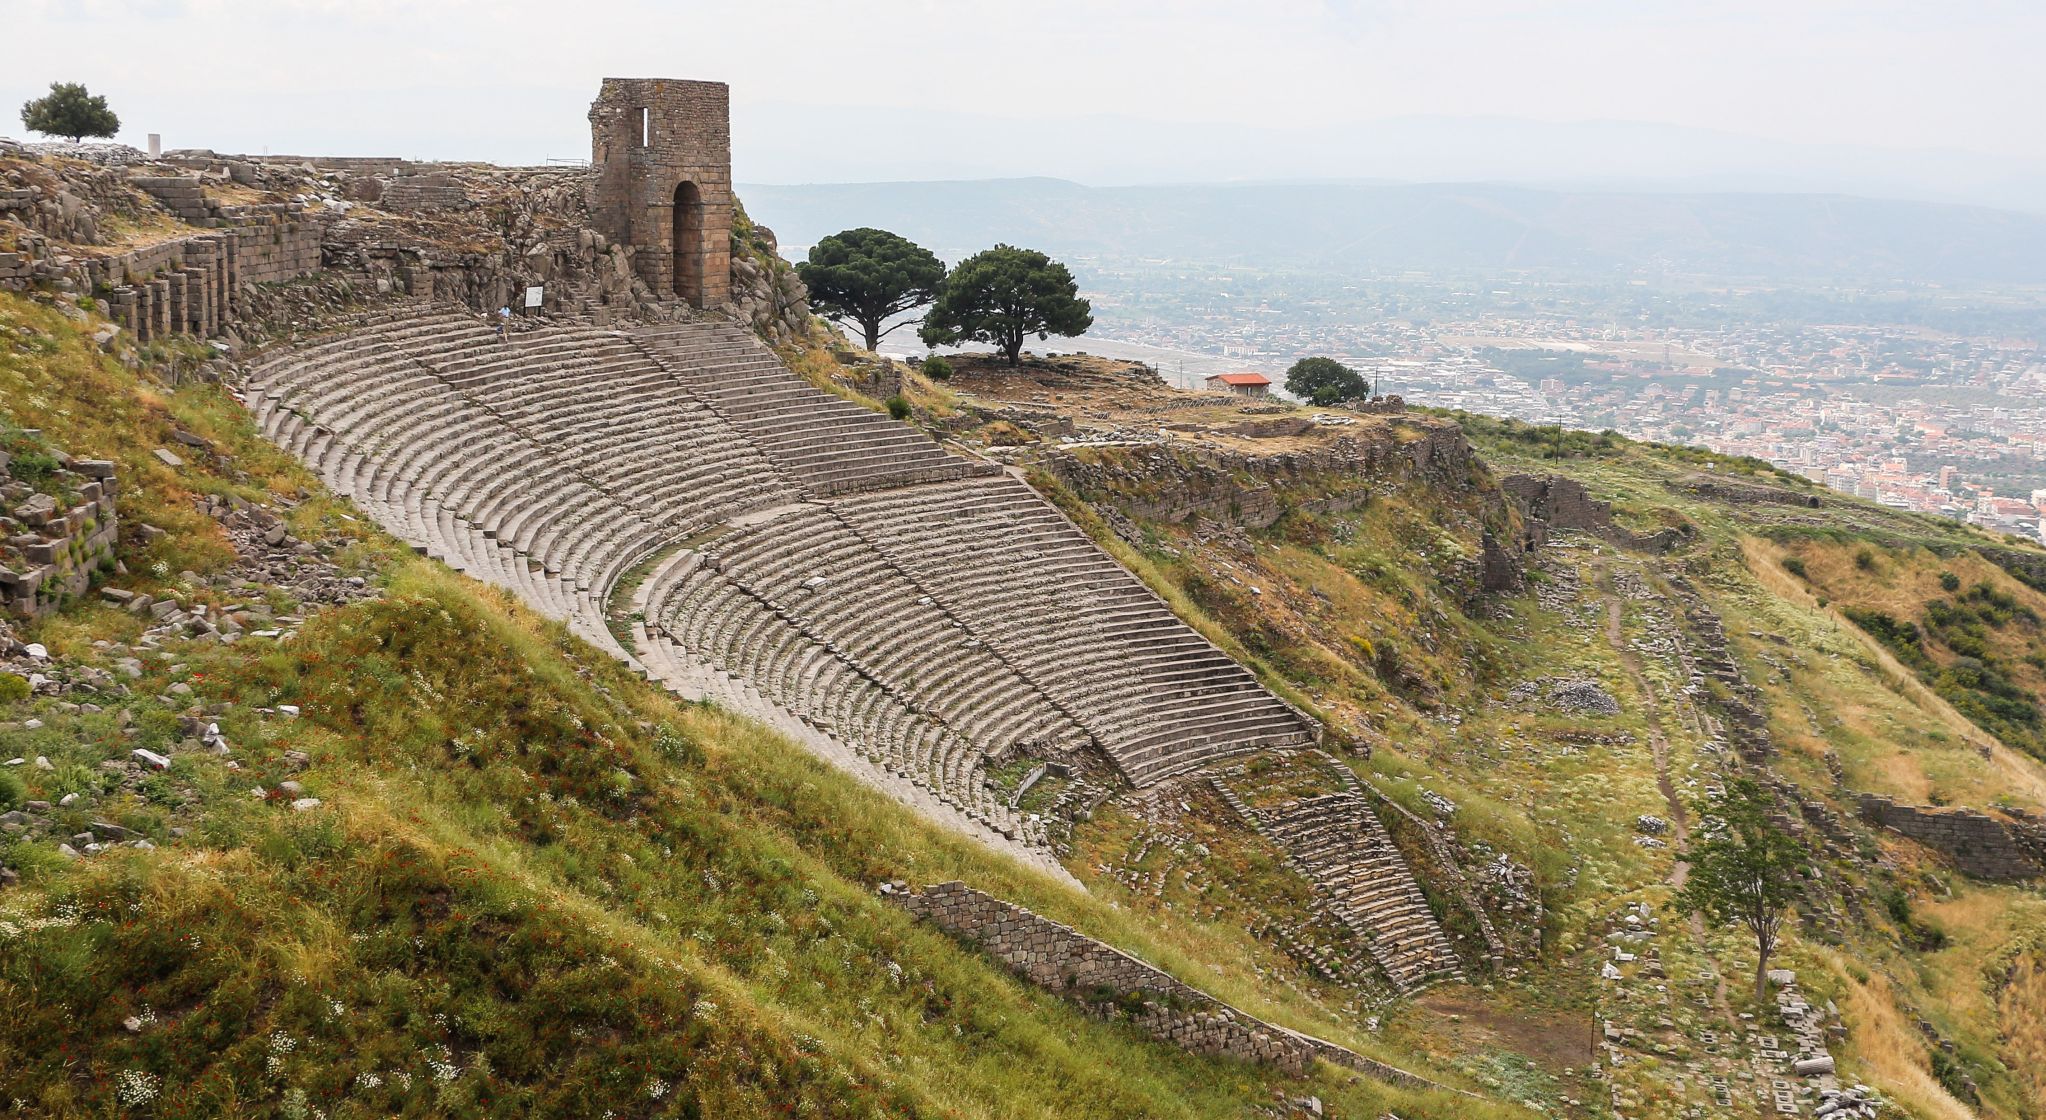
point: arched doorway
(689, 248)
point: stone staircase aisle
(1337, 843)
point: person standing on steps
(503, 323)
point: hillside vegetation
(418, 851)
(506, 876)
(1469, 709)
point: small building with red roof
(1242, 384)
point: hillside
(416, 846)
(1561, 734)
(440, 857)
(1440, 228)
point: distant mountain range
(792, 144)
(1380, 228)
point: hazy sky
(510, 79)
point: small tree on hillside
(867, 276)
(1003, 296)
(1746, 871)
(69, 111)
(1325, 381)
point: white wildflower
(657, 1088)
(133, 1087)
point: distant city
(1946, 416)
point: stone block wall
(1112, 983)
(182, 195)
(54, 546)
(275, 242)
(1980, 845)
(434, 190)
(1108, 980)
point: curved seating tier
(843, 572)
(831, 583)
(828, 445)
(992, 823)
(1157, 697)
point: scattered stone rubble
(270, 561)
(1567, 694)
(1710, 655)
(1655, 1046)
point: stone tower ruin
(662, 150)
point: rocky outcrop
(1253, 489)
(469, 233)
(1208, 486)
(766, 292)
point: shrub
(898, 408)
(1865, 560)
(13, 689)
(937, 368)
(1953, 1076)
(1948, 581)
(1900, 636)
(1898, 905)
(12, 791)
(32, 467)
(1795, 567)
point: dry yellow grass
(2014, 775)
(1988, 982)
(1883, 1048)
(2022, 1007)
